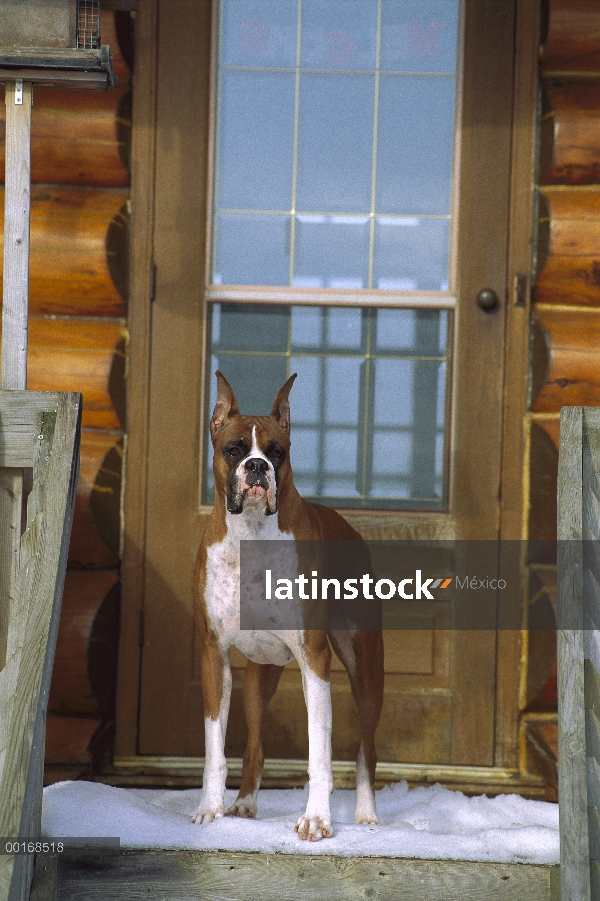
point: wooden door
(444, 704)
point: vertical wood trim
(574, 840)
(140, 329)
(173, 525)
(15, 293)
(514, 500)
(15, 299)
(483, 224)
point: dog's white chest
(223, 591)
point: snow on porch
(426, 822)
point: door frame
(153, 269)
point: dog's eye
(234, 452)
(277, 454)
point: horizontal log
(78, 263)
(78, 138)
(71, 690)
(96, 523)
(574, 361)
(569, 152)
(569, 148)
(569, 247)
(573, 39)
(81, 355)
(67, 739)
(572, 94)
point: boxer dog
(255, 498)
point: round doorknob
(487, 299)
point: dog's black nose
(256, 464)
(256, 470)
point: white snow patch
(427, 822)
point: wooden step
(220, 875)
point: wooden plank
(25, 679)
(592, 689)
(138, 387)
(15, 292)
(593, 781)
(45, 879)
(19, 411)
(183, 40)
(509, 652)
(574, 840)
(15, 302)
(594, 834)
(276, 877)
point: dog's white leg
(211, 805)
(366, 811)
(316, 821)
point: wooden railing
(39, 450)
(579, 652)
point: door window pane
(256, 140)
(368, 406)
(259, 33)
(414, 150)
(332, 119)
(339, 35)
(335, 143)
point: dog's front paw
(206, 815)
(242, 807)
(366, 818)
(314, 828)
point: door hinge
(520, 290)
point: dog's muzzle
(256, 472)
(253, 477)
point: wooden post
(579, 653)
(15, 296)
(15, 302)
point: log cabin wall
(565, 362)
(77, 342)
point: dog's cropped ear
(225, 407)
(281, 407)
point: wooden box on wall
(42, 23)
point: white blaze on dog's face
(251, 456)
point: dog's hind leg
(260, 683)
(362, 655)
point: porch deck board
(226, 876)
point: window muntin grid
(368, 407)
(334, 144)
